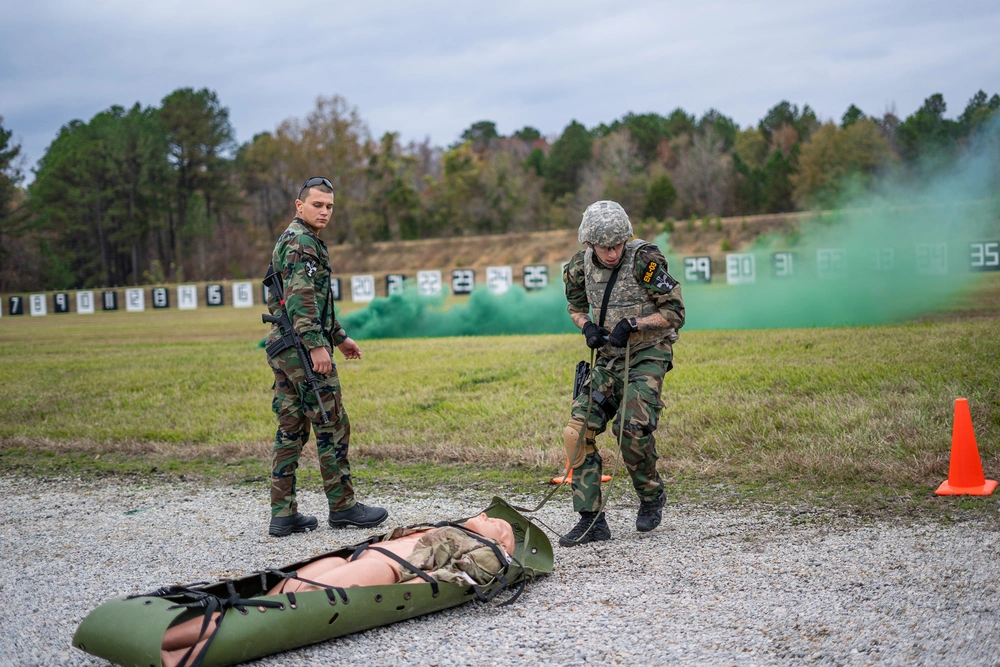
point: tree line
(146, 195)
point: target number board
(984, 256)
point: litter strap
(211, 604)
(405, 563)
(576, 451)
(294, 575)
(579, 442)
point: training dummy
(445, 553)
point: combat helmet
(605, 223)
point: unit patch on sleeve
(665, 282)
(656, 277)
(650, 270)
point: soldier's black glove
(596, 336)
(619, 336)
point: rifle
(288, 338)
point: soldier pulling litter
(626, 284)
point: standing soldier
(627, 286)
(301, 260)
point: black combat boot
(286, 525)
(599, 532)
(359, 516)
(650, 513)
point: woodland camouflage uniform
(651, 356)
(301, 259)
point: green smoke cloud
(410, 315)
(886, 257)
(895, 255)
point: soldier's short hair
(317, 183)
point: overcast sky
(433, 68)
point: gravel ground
(746, 585)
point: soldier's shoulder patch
(650, 271)
(664, 281)
(655, 277)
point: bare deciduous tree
(704, 177)
(618, 155)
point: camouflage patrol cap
(605, 223)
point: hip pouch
(580, 379)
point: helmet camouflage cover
(605, 223)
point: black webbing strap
(328, 333)
(210, 608)
(504, 564)
(409, 566)
(295, 575)
(607, 292)
(211, 604)
(329, 591)
(168, 591)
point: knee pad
(571, 434)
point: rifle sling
(607, 292)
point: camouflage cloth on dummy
(642, 288)
(301, 259)
(450, 554)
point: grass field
(832, 410)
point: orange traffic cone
(569, 476)
(965, 470)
